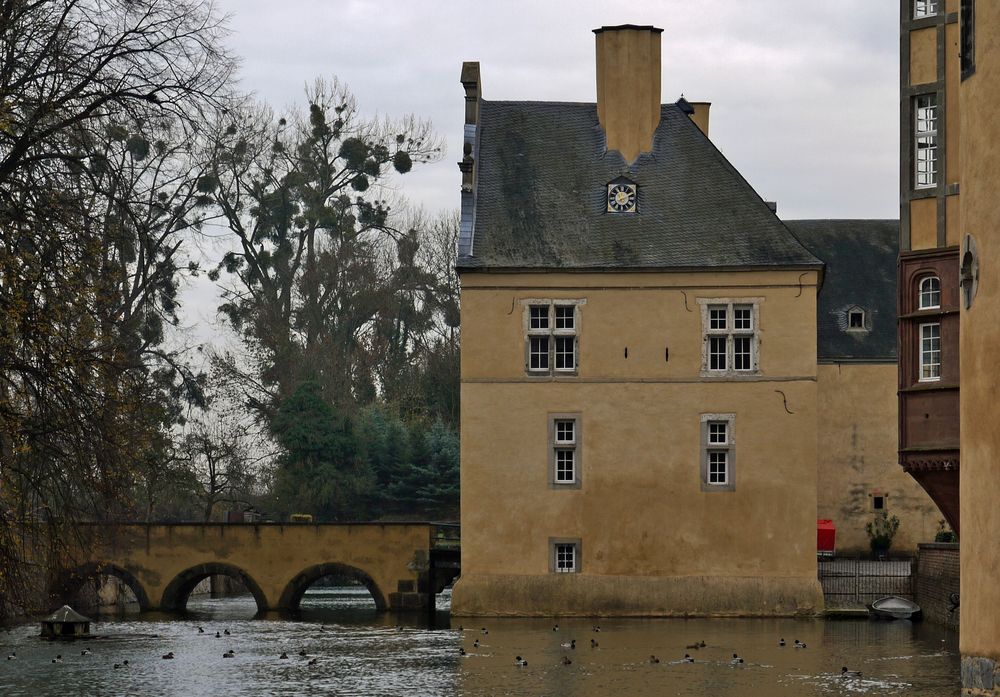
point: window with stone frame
(565, 450)
(718, 452)
(730, 328)
(551, 336)
(564, 556)
(925, 8)
(925, 141)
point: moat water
(357, 651)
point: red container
(826, 538)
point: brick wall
(937, 578)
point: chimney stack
(628, 87)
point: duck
(799, 644)
(571, 644)
(485, 631)
(687, 658)
(475, 644)
(125, 662)
(520, 662)
(736, 660)
(555, 628)
(597, 627)
(201, 630)
(117, 666)
(461, 651)
(695, 645)
(461, 628)
(844, 673)
(167, 656)
(57, 659)
(226, 632)
(312, 661)
(283, 655)
(593, 644)
(229, 654)
(12, 656)
(781, 641)
(653, 659)
(566, 661)
(303, 653)
(85, 652)
(218, 636)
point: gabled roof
(66, 614)
(860, 257)
(541, 198)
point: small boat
(892, 607)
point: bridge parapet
(399, 563)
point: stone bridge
(402, 564)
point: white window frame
(711, 445)
(928, 293)
(551, 335)
(851, 312)
(925, 141)
(925, 8)
(926, 354)
(558, 549)
(730, 334)
(559, 445)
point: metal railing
(849, 582)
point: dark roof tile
(541, 198)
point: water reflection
(359, 651)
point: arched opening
(175, 595)
(292, 596)
(96, 575)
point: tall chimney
(628, 87)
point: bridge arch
(71, 581)
(296, 588)
(175, 595)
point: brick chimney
(628, 87)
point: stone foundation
(980, 676)
(578, 595)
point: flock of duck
(169, 656)
(519, 661)
(735, 661)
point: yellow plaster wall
(857, 434)
(645, 525)
(701, 115)
(923, 223)
(980, 339)
(953, 218)
(628, 89)
(923, 56)
(952, 168)
(272, 555)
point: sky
(804, 93)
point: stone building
(643, 374)
(857, 470)
(929, 242)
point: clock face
(621, 198)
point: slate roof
(860, 258)
(542, 175)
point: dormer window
(622, 196)
(856, 318)
(930, 293)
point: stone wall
(937, 579)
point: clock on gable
(621, 197)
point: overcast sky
(804, 94)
